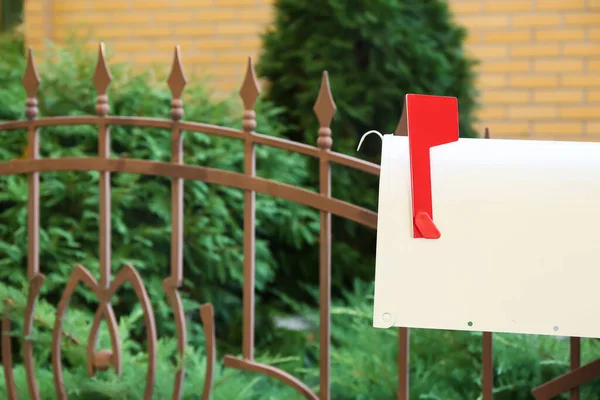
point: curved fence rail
(104, 288)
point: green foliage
(228, 384)
(444, 365)
(376, 51)
(141, 205)
(11, 14)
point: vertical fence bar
(177, 82)
(249, 93)
(324, 108)
(7, 362)
(207, 317)
(403, 363)
(102, 79)
(403, 333)
(575, 362)
(487, 382)
(31, 83)
(487, 373)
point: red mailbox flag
(430, 121)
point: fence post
(403, 333)
(177, 82)
(31, 82)
(100, 360)
(575, 362)
(102, 79)
(325, 109)
(403, 363)
(487, 373)
(249, 92)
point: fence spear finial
(325, 108)
(249, 93)
(177, 82)
(102, 79)
(31, 83)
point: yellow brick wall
(540, 66)
(540, 59)
(216, 36)
(37, 22)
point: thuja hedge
(376, 51)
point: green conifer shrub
(376, 51)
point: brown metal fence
(105, 288)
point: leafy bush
(11, 14)
(228, 384)
(376, 51)
(141, 205)
(444, 365)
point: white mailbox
(486, 235)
